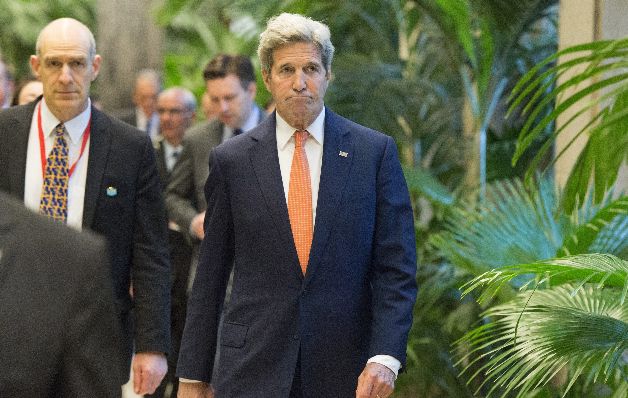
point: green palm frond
(607, 230)
(601, 269)
(513, 226)
(540, 333)
(604, 78)
(421, 180)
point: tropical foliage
(539, 334)
(492, 42)
(557, 276)
(512, 244)
(603, 83)
(21, 21)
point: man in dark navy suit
(312, 213)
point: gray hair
(294, 28)
(90, 36)
(185, 95)
(149, 75)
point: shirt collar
(252, 120)
(75, 127)
(285, 131)
(249, 123)
(169, 148)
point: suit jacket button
(295, 336)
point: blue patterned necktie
(54, 191)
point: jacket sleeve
(93, 355)
(393, 280)
(151, 263)
(198, 345)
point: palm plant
(486, 38)
(604, 77)
(21, 21)
(570, 316)
(579, 326)
(508, 243)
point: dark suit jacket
(59, 332)
(123, 202)
(356, 298)
(128, 115)
(185, 196)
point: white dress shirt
(34, 174)
(169, 154)
(141, 122)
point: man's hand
(376, 381)
(196, 226)
(149, 368)
(195, 390)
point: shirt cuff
(390, 362)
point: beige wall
(614, 26)
(128, 41)
(578, 23)
(583, 21)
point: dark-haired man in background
(231, 88)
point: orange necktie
(300, 200)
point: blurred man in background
(6, 86)
(176, 107)
(145, 92)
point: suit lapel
(161, 162)
(261, 114)
(99, 143)
(265, 163)
(334, 176)
(20, 132)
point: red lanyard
(42, 144)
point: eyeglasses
(173, 111)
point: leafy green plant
(506, 243)
(601, 86)
(489, 39)
(21, 21)
(581, 326)
(568, 325)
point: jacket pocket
(234, 334)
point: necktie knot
(59, 130)
(300, 136)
